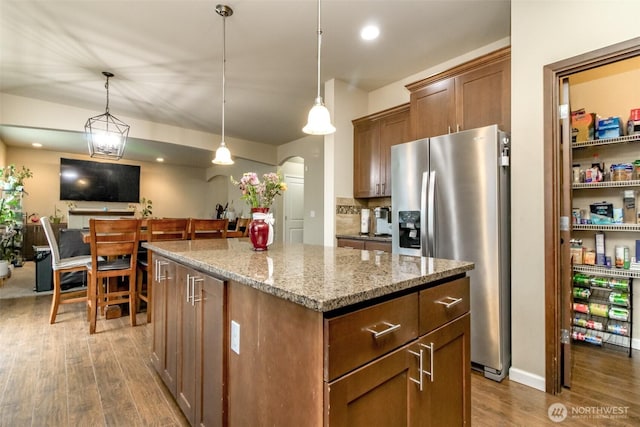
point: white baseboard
(635, 343)
(527, 378)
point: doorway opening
(558, 209)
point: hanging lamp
(223, 155)
(106, 134)
(319, 121)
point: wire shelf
(603, 271)
(606, 227)
(605, 184)
(608, 141)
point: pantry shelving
(603, 296)
(602, 312)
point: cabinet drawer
(348, 243)
(441, 304)
(378, 246)
(356, 338)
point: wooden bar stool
(157, 229)
(208, 228)
(116, 240)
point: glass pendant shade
(319, 122)
(106, 134)
(223, 155)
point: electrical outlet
(235, 336)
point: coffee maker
(383, 221)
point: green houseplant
(12, 186)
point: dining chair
(115, 240)
(157, 229)
(59, 266)
(208, 228)
(242, 228)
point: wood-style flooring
(59, 375)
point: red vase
(259, 230)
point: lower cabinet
(164, 347)
(369, 245)
(404, 361)
(199, 386)
(420, 384)
(424, 383)
(187, 348)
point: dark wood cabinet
(34, 236)
(199, 385)
(370, 245)
(446, 357)
(395, 362)
(164, 347)
(424, 383)
(474, 94)
(373, 137)
(188, 333)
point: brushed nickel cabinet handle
(420, 356)
(430, 348)
(453, 301)
(390, 328)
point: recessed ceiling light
(370, 32)
(159, 159)
(36, 145)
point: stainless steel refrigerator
(450, 199)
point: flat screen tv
(99, 182)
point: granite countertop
(321, 278)
(364, 237)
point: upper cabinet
(474, 94)
(373, 137)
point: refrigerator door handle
(431, 219)
(423, 214)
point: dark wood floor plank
(106, 379)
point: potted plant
(57, 217)
(12, 186)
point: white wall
(311, 149)
(544, 32)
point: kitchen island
(310, 335)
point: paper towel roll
(364, 221)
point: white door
(293, 209)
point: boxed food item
(590, 257)
(577, 255)
(601, 213)
(582, 126)
(610, 127)
(633, 125)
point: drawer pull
(420, 356)
(453, 301)
(377, 334)
(431, 349)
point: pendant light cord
(224, 61)
(106, 86)
(319, 47)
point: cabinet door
(433, 109)
(378, 246)
(445, 399)
(199, 385)
(351, 243)
(483, 97)
(366, 159)
(378, 394)
(394, 129)
(164, 346)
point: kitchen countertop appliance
(450, 199)
(383, 221)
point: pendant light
(223, 155)
(106, 135)
(319, 122)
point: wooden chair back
(242, 228)
(116, 242)
(167, 229)
(208, 228)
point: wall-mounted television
(84, 180)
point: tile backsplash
(348, 213)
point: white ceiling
(167, 56)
